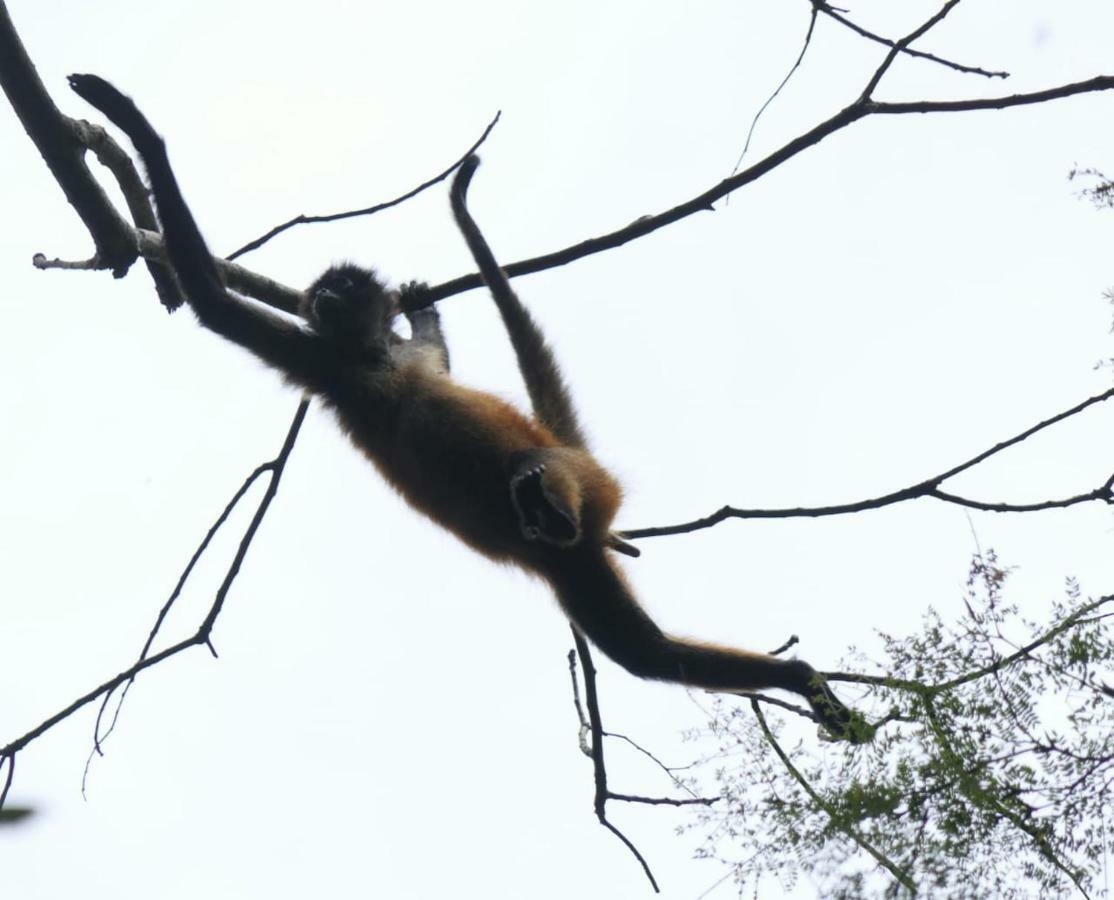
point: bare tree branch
(838, 16)
(302, 219)
(62, 150)
(243, 281)
(98, 736)
(598, 767)
(796, 65)
(860, 109)
(922, 688)
(7, 760)
(113, 157)
(54, 136)
(930, 487)
(62, 142)
(202, 636)
(663, 801)
(900, 45)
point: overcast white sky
(390, 715)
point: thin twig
(900, 45)
(752, 696)
(367, 210)
(585, 728)
(943, 741)
(663, 801)
(860, 109)
(837, 15)
(202, 636)
(598, 767)
(1079, 617)
(98, 736)
(791, 642)
(668, 770)
(796, 65)
(927, 488)
(7, 758)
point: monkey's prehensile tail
(548, 394)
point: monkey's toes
(539, 517)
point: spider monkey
(516, 489)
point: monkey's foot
(838, 719)
(541, 515)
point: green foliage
(990, 774)
(1100, 190)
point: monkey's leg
(546, 496)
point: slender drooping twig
(303, 219)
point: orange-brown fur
(516, 489)
(449, 451)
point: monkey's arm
(425, 323)
(276, 341)
(548, 393)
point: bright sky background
(390, 715)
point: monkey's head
(349, 306)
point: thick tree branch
(113, 157)
(62, 142)
(57, 141)
(116, 241)
(243, 281)
(860, 109)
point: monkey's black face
(349, 306)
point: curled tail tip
(470, 164)
(81, 83)
(102, 95)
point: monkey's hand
(414, 298)
(425, 321)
